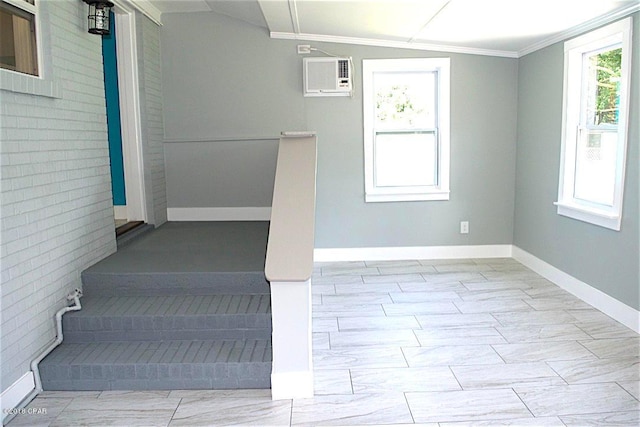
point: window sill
(597, 217)
(416, 197)
(32, 85)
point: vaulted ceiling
(509, 28)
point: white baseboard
(16, 393)
(291, 385)
(219, 214)
(610, 306)
(120, 212)
(411, 252)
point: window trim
(408, 193)
(567, 205)
(31, 9)
(43, 84)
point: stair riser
(160, 284)
(128, 324)
(158, 376)
(170, 335)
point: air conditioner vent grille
(343, 69)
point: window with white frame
(18, 50)
(595, 116)
(406, 129)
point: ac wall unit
(327, 76)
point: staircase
(185, 306)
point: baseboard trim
(411, 252)
(610, 306)
(219, 214)
(291, 385)
(16, 393)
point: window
(594, 136)
(18, 50)
(406, 129)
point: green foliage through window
(607, 67)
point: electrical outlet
(464, 227)
(304, 49)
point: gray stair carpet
(147, 324)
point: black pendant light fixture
(99, 15)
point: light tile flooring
(436, 343)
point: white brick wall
(56, 210)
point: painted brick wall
(149, 69)
(56, 210)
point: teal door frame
(114, 127)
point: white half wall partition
(289, 265)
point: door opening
(123, 119)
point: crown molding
(391, 43)
(143, 6)
(559, 37)
(582, 28)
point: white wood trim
(291, 385)
(610, 306)
(143, 6)
(391, 43)
(131, 127)
(440, 66)
(120, 212)
(292, 367)
(573, 97)
(411, 252)
(219, 214)
(16, 393)
(587, 26)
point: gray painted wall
(152, 129)
(605, 259)
(249, 165)
(234, 81)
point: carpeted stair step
(169, 318)
(154, 365)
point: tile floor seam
(455, 376)
(587, 348)
(497, 353)
(175, 411)
(413, 419)
(628, 392)
(523, 402)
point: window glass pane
(17, 40)
(603, 71)
(405, 100)
(405, 159)
(596, 166)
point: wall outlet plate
(464, 227)
(304, 49)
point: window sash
(23, 45)
(408, 162)
(376, 191)
(605, 211)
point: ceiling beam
(428, 22)
(293, 14)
